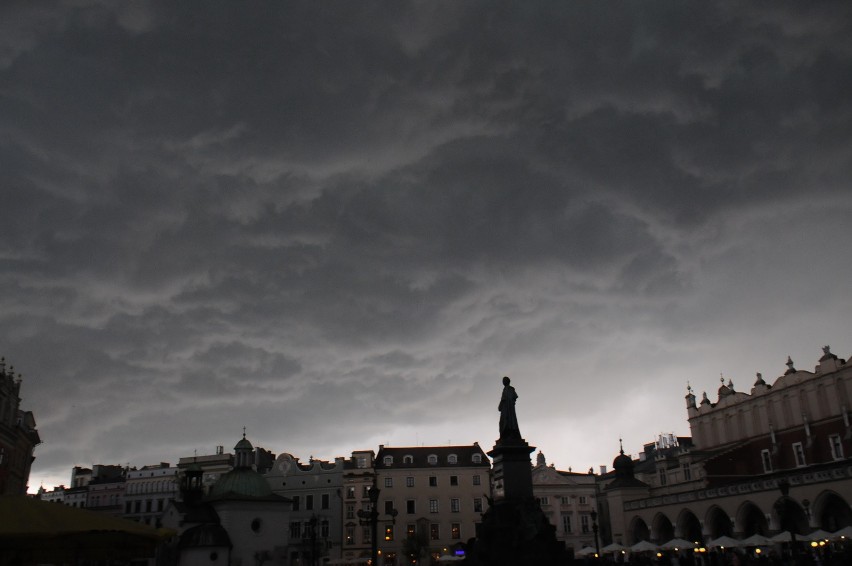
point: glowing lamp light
(757, 551)
(659, 555)
(814, 544)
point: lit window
(434, 531)
(766, 457)
(389, 533)
(410, 531)
(456, 530)
(350, 535)
(799, 454)
(836, 446)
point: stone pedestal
(514, 530)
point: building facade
(359, 475)
(775, 459)
(148, 492)
(18, 435)
(431, 498)
(568, 500)
(315, 527)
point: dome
(623, 464)
(244, 444)
(242, 483)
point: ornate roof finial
(704, 399)
(721, 378)
(730, 384)
(790, 368)
(244, 432)
(620, 446)
(759, 380)
(688, 387)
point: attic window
(408, 459)
(432, 459)
(476, 458)
(388, 460)
(452, 459)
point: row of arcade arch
(829, 512)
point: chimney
(603, 469)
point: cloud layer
(339, 225)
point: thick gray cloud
(339, 225)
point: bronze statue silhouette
(508, 418)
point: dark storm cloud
(282, 215)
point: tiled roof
(419, 456)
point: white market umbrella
(677, 544)
(756, 540)
(614, 547)
(783, 536)
(845, 532)
(725, 542)
(585, 551)
(643, 546)
(817, 535)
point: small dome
(622, 463)
(242, 483)
(244, 444)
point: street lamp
(371, 518)
(594, 515)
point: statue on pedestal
(508, 419)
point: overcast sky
(339, 224)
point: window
(544, 500)
(687, 473)
(309, 502)
(452, 459)
(583, 500)
(389, 532)
(410, 531)
(836, 446)
(454, 480)
(565, 500)
(408, 459)
(126, 507)
(324, 528)
(409, 481)
(433, 505)
(389, 507)
(434, 531)
(148, 506)
(350, 492)
(477, 505)
(367, 535)
(584, 523)
(476, 458)
(388, 482)
(476, 479)
(799, 454)
(296, 530)
(350, 534)
(295, 503)
(432, 459)
(766, 457)
(410, 507)
(662, 477)
(454, 505)
(362, 461)
(388, 460)
(365, 491)
(325, 501)
(137, 506)
(433, 481)
(455, 529)
(566, 523)
(350, 511)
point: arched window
(388, 460)
(452, 459)
(432, 459)
(476, 458)
(408, 459)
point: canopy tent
(783, 536)
(32, 530)
(817, 535)
(614, 547)
(724, 542)
(677, 544)
(585, 551)
(756, 540)
(643, 546)
(844, 533)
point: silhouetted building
(18, 435)
(771, 460)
